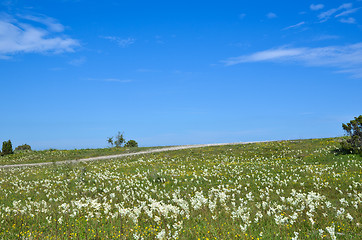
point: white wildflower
(243, 227)
(161, 235)
(349, 217)
(330, 230)
(295, 236)
(321, 232)
(60, 220)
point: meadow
(302, 189)
(55, 155)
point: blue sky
(177, 72)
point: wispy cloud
(347, 59)
(345, 8)
(325, 37)
(78, 61)
(242, 15)
(51, 23)
(295, 25)
(159, 39)
(271, 15)
(272, 54)
(347, 12)
(6, 2)
(122, 42)
(56, 69)
(21, 34)
(349, 20)
(316, 7)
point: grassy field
(53, 155)
(277, 190)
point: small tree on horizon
(7, 148)
(24, 147)
(131, 143)
(119, 139)
(354, 131)
(110, 141)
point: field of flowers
(54, 155)
(277, 190)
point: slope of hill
(275, 190)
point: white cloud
(7, 3)
(324, 16)
(295, 25)
(347, 12)
(350, 20)
(122, 42)
(271, 15)
(346, 59)
(316, 7)
(18, 36)
(56, 69)
(78, 61)
(266, 55)
(345, 6)
(325, 37)
(51, 23)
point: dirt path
(123, 155)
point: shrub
(119, 140)
(131, 143)
(24, 147)
(354, 130)
(110, 141)
(7, 148)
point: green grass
(53, 155)
(274, 190)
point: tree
(7, 148)
(119, 140)
(110, 141)
(131, 143)
(24, 147)
(354, 130)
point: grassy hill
(277, 190)
(54, 155)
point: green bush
(131, 143)
(354, 130)
(7, 148)
(119, 140)
(110, 141)
(24, 147)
